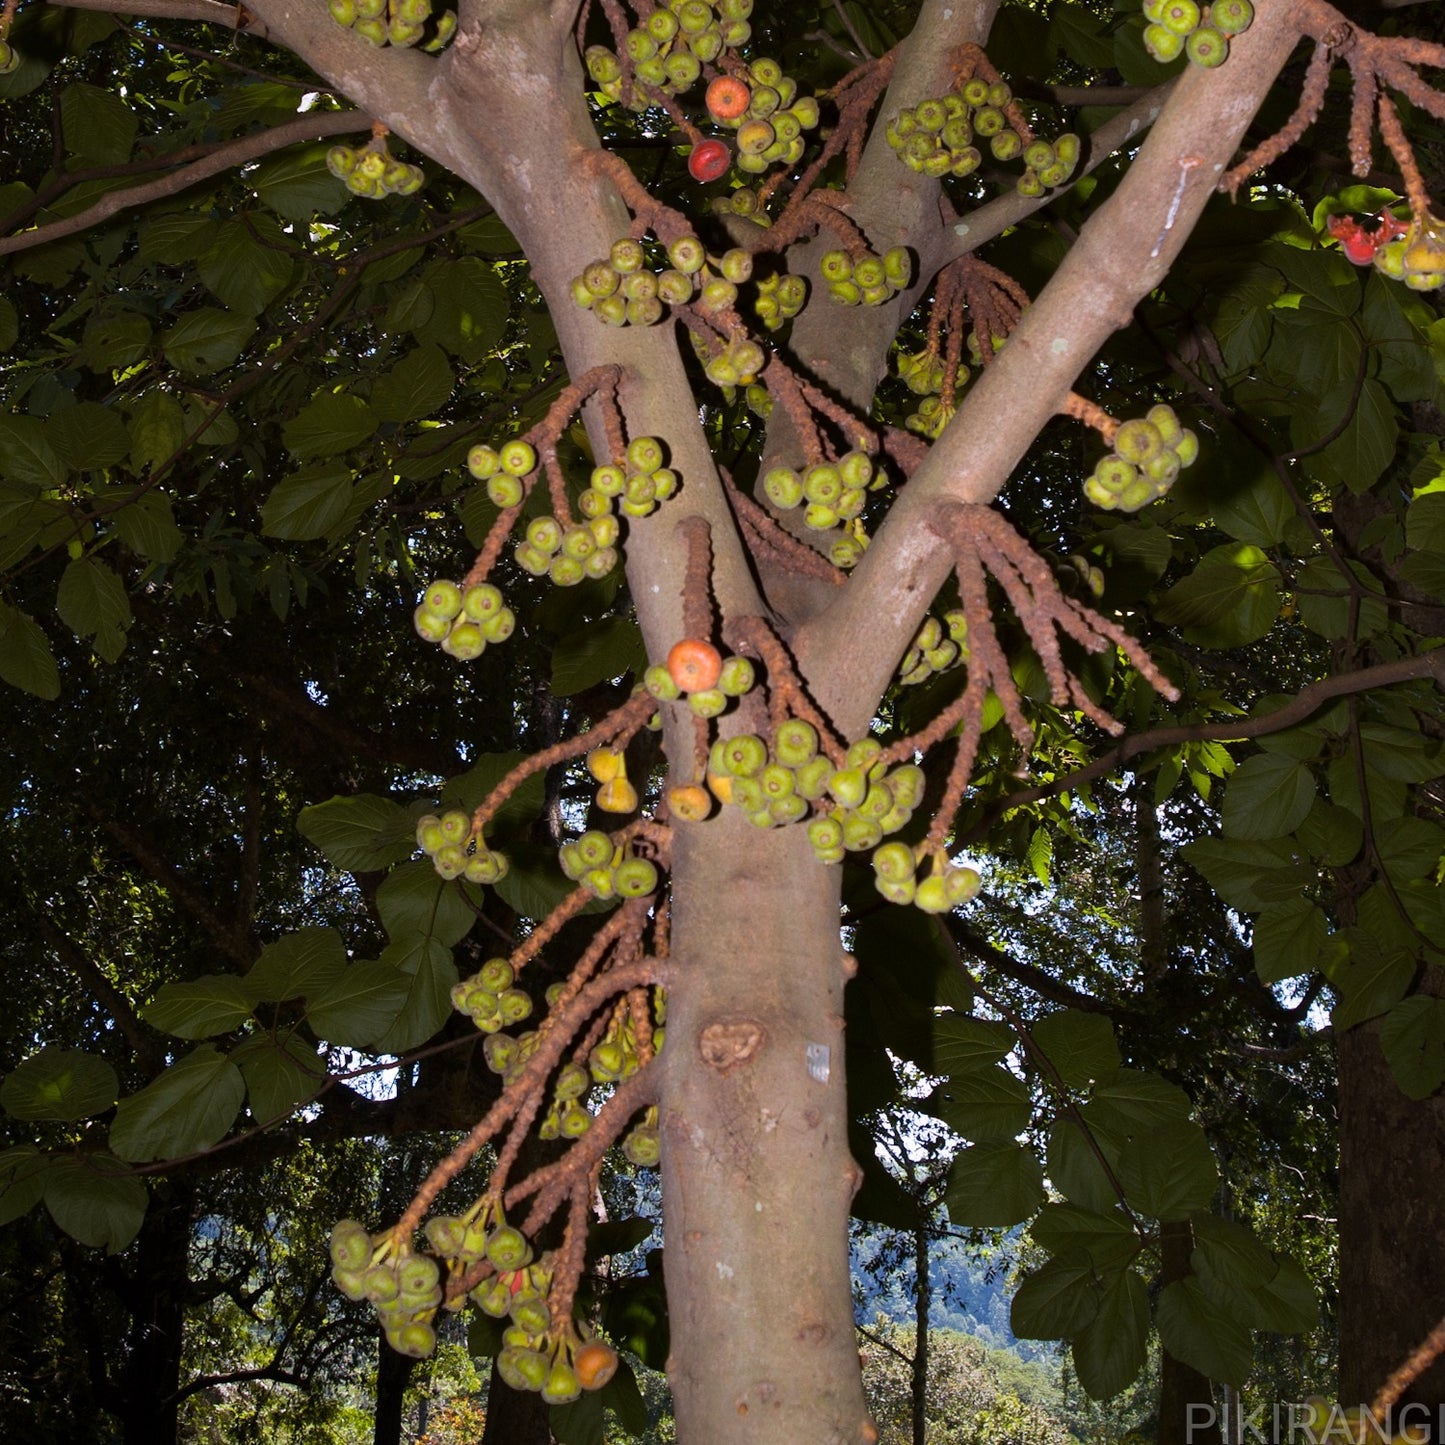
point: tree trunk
(1187, 1412)
(923, 1296)
(392, 1373)
(515, 1417)
(1392, 1218)
(148, 1381)
(756, 1174)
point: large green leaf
(1168, 1171)
(1268, 796)
(1132, 1103)
(360, 1006)
(361, 833)
(994, 1185)
(297, 965)
(1194, 1329)
(962, 1044)
(1248, 876)
(184, 1110)
(27, 453)
(1412, 1035)
(97, 125)
(207, 340)
(22, 1180)
(1056, 1301)
(1232, 597)
(1106, 1237)
(88, 436)
(1289, 939)
(202, 1008)
(1075, 1168)
(983, 1104)
(431, 975)
(416, 899)
(415, 387)
(59, 1084)
(597, 652)
(157, 429)
(310, 503)
(92, 601)
(93, 1199)
(470, 311)
(297, 184)
(331, 423)
(1080, 1046)
(148, 527)
(279, 1074)
(247, 264)
(26, 660)
(1109, 1352)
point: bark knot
(724, 1046)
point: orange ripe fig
(595, 1363)
(709, 160)
(694, 665)
(691, 803)
(728, 98)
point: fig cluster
(622, 289)
(762, 106)
(943, 888)
(866, 279)
(456, 851)
(696, 670)
(606, 870)
(939, 646)
(1180, 27)
(941, 136)
(405, 1288)
(831, 494)
(463, 621)
(372, 171)
(1148, 455)
(1417, 258)
(780, 297)
(395, 22)
(668, 48)
(490, 997)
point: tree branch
(1303, 705)
(206, 12)
(312, 126)
(848, 654)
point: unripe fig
(737, 677)
(795, 742)
(504, 490)
(430, 627)
(811, 779)
(507, 1248)
(783, 487)
(1207, 46)
(518, 457)
(415, 1339)
(350, 1245)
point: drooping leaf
(962, 1044)
(329, 424)
(297, 965)
(415, 387)
(184, 1110)
(93, 1199)
(1110, 1350)
(361, 833)
(1075, 1168)
(983, 1104)
(205, 340)
(415, 899)
(360, 1006)
(994, 1185)
(596, 652)
(1080, 1046)
(310, 503)
(430, 975)
(26, 659)
(1168, 1171)
(1412, 1035)
(1056, 1301)
(1194, 1329)
(1289, 939)
(1268, 796)
(279, 1074)
(202, 1008)
(1105, 1237)
(59, 1084)
(1232, 597)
